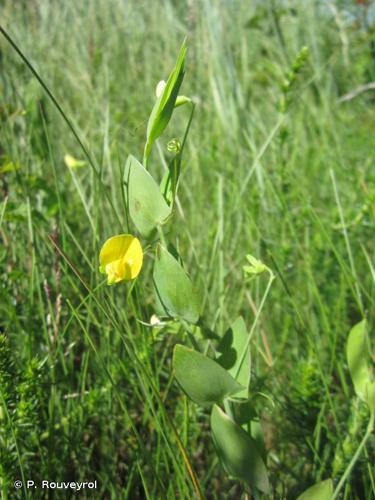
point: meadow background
(294, 187)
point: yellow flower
(72, 162)
(121, 258)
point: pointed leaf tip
(238, 451)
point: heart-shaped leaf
(202, 378)
(237, 451)
(147, 206)
(320, 491)
(235, 354)
(358, 359)
(174, 288)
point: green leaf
(163, 108)
(174, 288)
(147, 206)
(202, 378)
(237, 451)
(370, 396)
(320, 491)
(232, 348)
(358, 359)
(181, 100)
(242, 411)
(256, 432)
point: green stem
(161, 236)
(356, 455)
(146, 154)
(188, 126)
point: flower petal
(115, 248)
(121, 258)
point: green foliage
(173, 287)
(291, 78)
(276, 165)
(8, 372)
(238, 452)
(320, 491)
(145, 202)
(169, 182)
(357, 353)
(202, 378)
(357, 420)
(21, 404)
(234, 350)
(370, 396)
(165, 103)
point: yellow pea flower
(121, 258)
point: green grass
(87, 389)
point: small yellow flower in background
(121, 258)
(72, 162)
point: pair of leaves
(146, 204)
(174, 288)
(165, 103)
(358, 356)
(206, 382)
